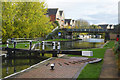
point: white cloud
(76, 9)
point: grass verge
(110, 44)
(92, 70)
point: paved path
(64, 68)
(109, 68)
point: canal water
(79, 44)
(10, 66)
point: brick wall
(52, 18)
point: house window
(58, 19)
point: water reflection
(80, 44)
(10, 66)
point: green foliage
(24, 20)
(56, 22)
(110, 44)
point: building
(68, 23)
(56, 15)
(73, 23)
(53, 13)
(106, 26)
(62, 19)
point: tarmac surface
(109, 67)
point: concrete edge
(26, 69)
(79, 71)
(105, 44)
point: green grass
(59, 40)
(92, 70)
(22, 46)
(110, 44)
(97, 53)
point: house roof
(73, 20)
(61, 12)
(67, 20)
(52, 11)
(104, 26)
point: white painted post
(39, 45)
(53, 45)
(30, 45)
(54, 53)
(58, 46)
(7, 44)
(43, 45)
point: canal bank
(76, 43)
(65, 67)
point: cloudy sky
(94, 11)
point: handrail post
(14, 44)
(54, 53)
(14, 47)
(7, 44)
(43, 48)
(30, 45)
(58, 48)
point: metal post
(43, 48)
(14, 47)
(39, 45)
(30, 45)
(14, 44)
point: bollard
(54, 53)
(52, 66)
(43, 48)
(7, 44)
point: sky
(94, 11)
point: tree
(95, 27)
(82, 24)
(25, 20)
